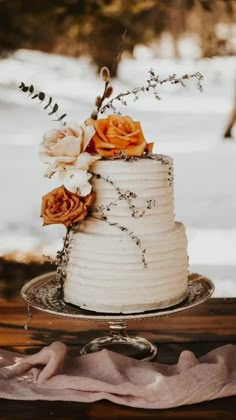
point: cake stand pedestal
(119, 341)
(45, 294)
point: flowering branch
(153, 82)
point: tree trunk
(232, 120)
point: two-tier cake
(129, 255)
(123, 251)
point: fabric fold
(51, 374)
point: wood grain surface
(200, 330)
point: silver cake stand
(45, 294)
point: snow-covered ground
(186, 124)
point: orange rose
(115, 134)
(63, 206)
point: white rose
(76, 181)
(65, 147)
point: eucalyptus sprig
(50, 105)
(152, 83)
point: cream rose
(64, 148)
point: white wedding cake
(129, 255)
(122, 252)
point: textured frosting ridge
(129, 255)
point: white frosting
(108, 270)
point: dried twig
(153, 82)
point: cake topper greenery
(71, 150)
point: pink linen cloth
(51, 374)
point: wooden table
(200, 329)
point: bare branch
(151, 85)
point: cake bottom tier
(107, 274)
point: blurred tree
(26, 24)
(204, 20)
(104, 29)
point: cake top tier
(113, 140)
(141, 175)
(131, 196)
(149, 162)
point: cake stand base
(120, 342)
(45, 294)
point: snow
(185, 124)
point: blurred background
(59, 47)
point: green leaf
(61, 117)
(54, 109)
(41, 96)
(49, 103)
